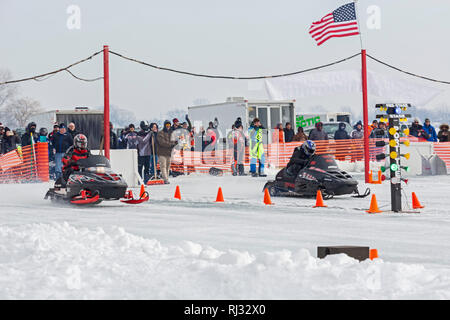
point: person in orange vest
(278, 134)
(373, 126)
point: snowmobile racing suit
(298, 161)
(69, 162)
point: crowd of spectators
(155, 146)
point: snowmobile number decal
(80, 178)
(307, 176)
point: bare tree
(7, 91)
(22, 109)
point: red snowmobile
(93, 183)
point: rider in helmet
(78, 151)
(301, 156)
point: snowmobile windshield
(94, 161)
(325, 162)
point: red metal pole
(365, 115)
(106, 100)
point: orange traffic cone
(370, 176)
(415, 202)
(219, 195)
(267, 199)
(319, 200)
(177, 193)
(141, 194)
(379, 178)
(373, 254)
(373, 205)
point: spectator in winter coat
(373, 126)
(288, 132)
(380, 132)
(239, 141)
(144, 152)
(62, 141)
(341, 133)
(200, 140)
(121, 140)
(43, 132)
(2, 132)
(164, 150)
(443, 133)
(131, 138)
(317, 133)
(278, 134)
(429, 129)
(113, 142)
(300, 136)
(153, 154)
(211, 137)
(71, 130)
(29, 134)
(358, 133)
(51, 134)
(175, 124)
(10, 140)
(416, 130)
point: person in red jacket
(78, 151)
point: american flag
(339, 23)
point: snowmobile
(321, 172)
(93, 183)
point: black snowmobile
(322, 173)
(93, 183)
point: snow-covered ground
(241, 249)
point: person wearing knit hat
(443, 133)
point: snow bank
(60, 261)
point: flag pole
(365, 100)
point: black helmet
(80, 141)
(144, 125)
(43, 131)
(309, 147)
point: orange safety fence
(276, 154)
(27, 164)
(442, 149)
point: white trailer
(89, 122)
(269, 112)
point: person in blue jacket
(429, 129)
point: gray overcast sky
(207, 36)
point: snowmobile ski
(365, 194)
(86, 197)
(130, 199)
